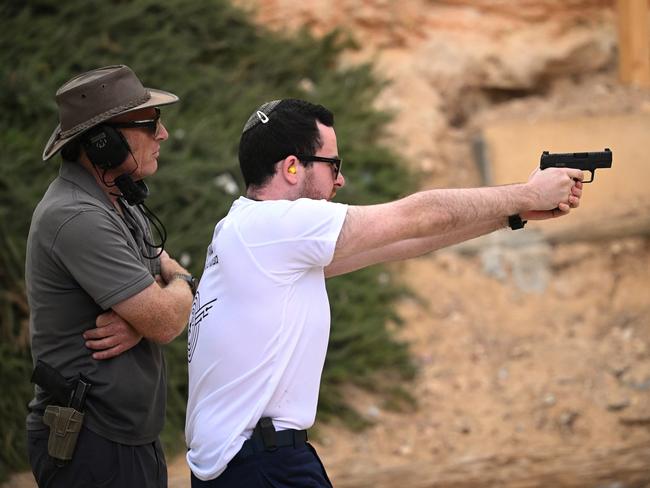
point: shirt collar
(79, 176)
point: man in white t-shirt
(260, 321)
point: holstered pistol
(65, 424)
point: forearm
(432, 213)
(410, 248)
(422, 245)
(453, 212)
(158, 313)
(427, 214)
(173, 318)
(170, 267)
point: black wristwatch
(515, 222)
(189, 279)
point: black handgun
(586, 161)
(68, 393)
(52, 382)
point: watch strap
(515, 222)
(189, 279)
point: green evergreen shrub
(222, 66)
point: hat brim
(55, 142)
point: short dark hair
(291, 129)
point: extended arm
(410, 248)
(429, 220)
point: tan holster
(65, 424)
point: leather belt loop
(274, 439)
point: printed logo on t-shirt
(212, 258)
(199, 312)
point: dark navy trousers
(98, 462)
(295, 467)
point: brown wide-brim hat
(96, 96)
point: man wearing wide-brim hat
(103, 294)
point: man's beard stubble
(310, 189)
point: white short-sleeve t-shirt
(259, 326)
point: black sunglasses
(335, 162)
(153, 125)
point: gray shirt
(83, 257)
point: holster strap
(266, 438)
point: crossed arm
(159, 313)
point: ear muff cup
(105, 146)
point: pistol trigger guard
(593, 175)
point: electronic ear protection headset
(105, 146)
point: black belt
(266, 438)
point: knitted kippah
(261, 115)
